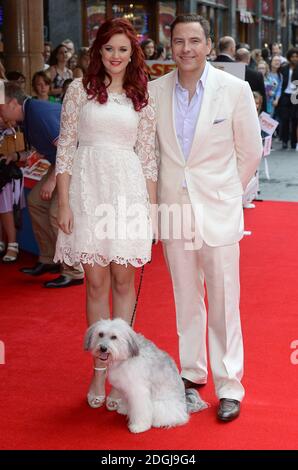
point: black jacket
(223, 58)
(256, 83)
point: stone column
(23, 37)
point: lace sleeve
(145, 145)
(67, 142)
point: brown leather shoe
(228, 409)
(190, 384)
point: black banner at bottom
(136, 458)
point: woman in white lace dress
(106, 178)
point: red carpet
(46, 375)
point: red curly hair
(135, 78)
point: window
(136, 13)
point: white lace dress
(109, 151)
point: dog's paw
(122, 410)
(138, 427)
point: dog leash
(138, 295)
(139, 290)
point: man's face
(294, 59)
(190, 46)
(275, 50)
(9, 112)
(46, 53)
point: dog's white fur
(152, 391)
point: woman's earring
(129, 59)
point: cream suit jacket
(225, 153)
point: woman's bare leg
(98, 282)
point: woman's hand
(65, 219)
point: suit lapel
(211, 102)
(167, 115)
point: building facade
(257, 23)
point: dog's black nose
(103, 349)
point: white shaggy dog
(152, 391)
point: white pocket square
(217, 121)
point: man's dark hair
(12, 90)
(15, 75)
(192, 19)
(291, 52)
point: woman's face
(262, 68)
(62, 54)
(275, 63)
(149, 50)
(212, 54)
(116, 54)
(41, 87)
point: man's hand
(65, 219)
(47, 189)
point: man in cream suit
(210, 146)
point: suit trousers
(45, 227)
(218, 267)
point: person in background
(41, 84)
(47, 49)
(148, 47)
(58, 71)
(70, 47)
(286, 109)
(18, 78)
(252, 188)
(83, 63)
(273, 84)
(10, 194)
(266, 55)
(227, 50)
(41, 123)
(213, 55)
(253, 77)
(295, 97)
(277, 52)
(161, 52)
(256, 56)
(73, 62)
(258, 101)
